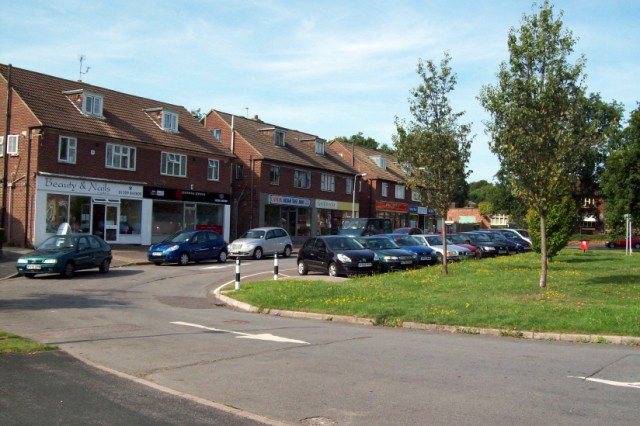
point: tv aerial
(82, 58)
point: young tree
(559, 223)
(538, 123)
(434, 148)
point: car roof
(265, 228)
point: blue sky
(329, 68)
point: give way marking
(635, 385)
(264, 336)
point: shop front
(291, 213)
(173, 210)
(423, 218)
(112, 210)
(397, 212)
(330, 215)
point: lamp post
(353, 203)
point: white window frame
(170, 121)
(400, 192)
(279, 138)
(169, 161)
(217, 133)
(92, 104)
(12, 144)
(385, 189)
(1, 146)
(301, 179)
(120, 157)
(415, 195)
(213, 169)
(348, 185)
(69, 145)
(274, 175)
(380, 161)
(320, 147)
(327, 183)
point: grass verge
(597, 292)
(10, 343)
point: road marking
(635, 385)
(264, 336)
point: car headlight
(249, 246)
(488, 248)
(173, 248)
(343, 258)
(388, 258)
(50, 261)
(375, 257)
(415, 256)
(21, 260)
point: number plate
(503, 251)
(34, 267)
(425, 258)
(364, 265)
(156, 253)
(406, 262)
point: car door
(84, 257)
(319, 257)
(214, 244)
(198, 246)
(271, 242)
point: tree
(559, 226)
(434, 148)
(538, 123)
(360, 140)
(621, 178)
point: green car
(65, 254)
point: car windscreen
(59, 242)
(253, 233)
(181, 237)
(381, 244)
(354, 224)
(407, 241)
(343, 244)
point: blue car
(186, 246)
(426, 255)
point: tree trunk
(543, 251)
(445, 262)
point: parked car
(426, 255)
(336, 255)
(519, 233)
(362, 227)
(459, 240)
(408, 231)
(392, 257)
(482, 241)
(454, 252)
(260, 242)
(635, 242)
(186, 246)
(515, 246)
(65, 254)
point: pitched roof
(363, 155)
(125, 117)
(299, 147)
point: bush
(559, 224)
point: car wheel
(104, 266)
(609, 244)
(30, 276)
(184, 259)
(69, 270)
(287, 251)
(257, 253)
(332, 270)
(636, 246)
(440, 257)
(222, 257)
(302, 268)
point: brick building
(130, 169)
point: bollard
(237, 273)
(584, 245)
(275, 268)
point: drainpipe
(251, 195)
(11, 186)
(27, 183)
(4, 156)
(233, 134)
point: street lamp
(353, 203)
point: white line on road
(264, 336)
(635, 385)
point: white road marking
(264, 336)
(635, 385)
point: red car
(635, 242)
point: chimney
(256, 118)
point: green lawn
(597, 292)
(10, 343)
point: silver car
(454, 252)
(259, 242)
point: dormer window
(320, 147)
(92, 104)
(170, 121)
(380, 161)
(278, 138)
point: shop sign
(88, 187)
(327, 204)
(289, 201)
(186, 195)
(392, 207)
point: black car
(392, 256)
(487, 247)
(336, 255)
(521, 246)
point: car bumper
(162, 257)
(40, 269)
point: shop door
(189, 217)
(105, 221)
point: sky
(329, 68)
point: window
(279, 138)
(400, 192)
(170, 121)
(239, 171)
(67, 148)
(92, 104)
(380, 161)
(302, 179)
(385, 189)
(328, 183)
(349, 185)
(274, 175)
(12, 144)
(415, 195)
(320, 147)
(120, 157)
(588, 203)
(173, 164)
(1, 146)
(213, 171)
(500, 220)
(217, 133)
